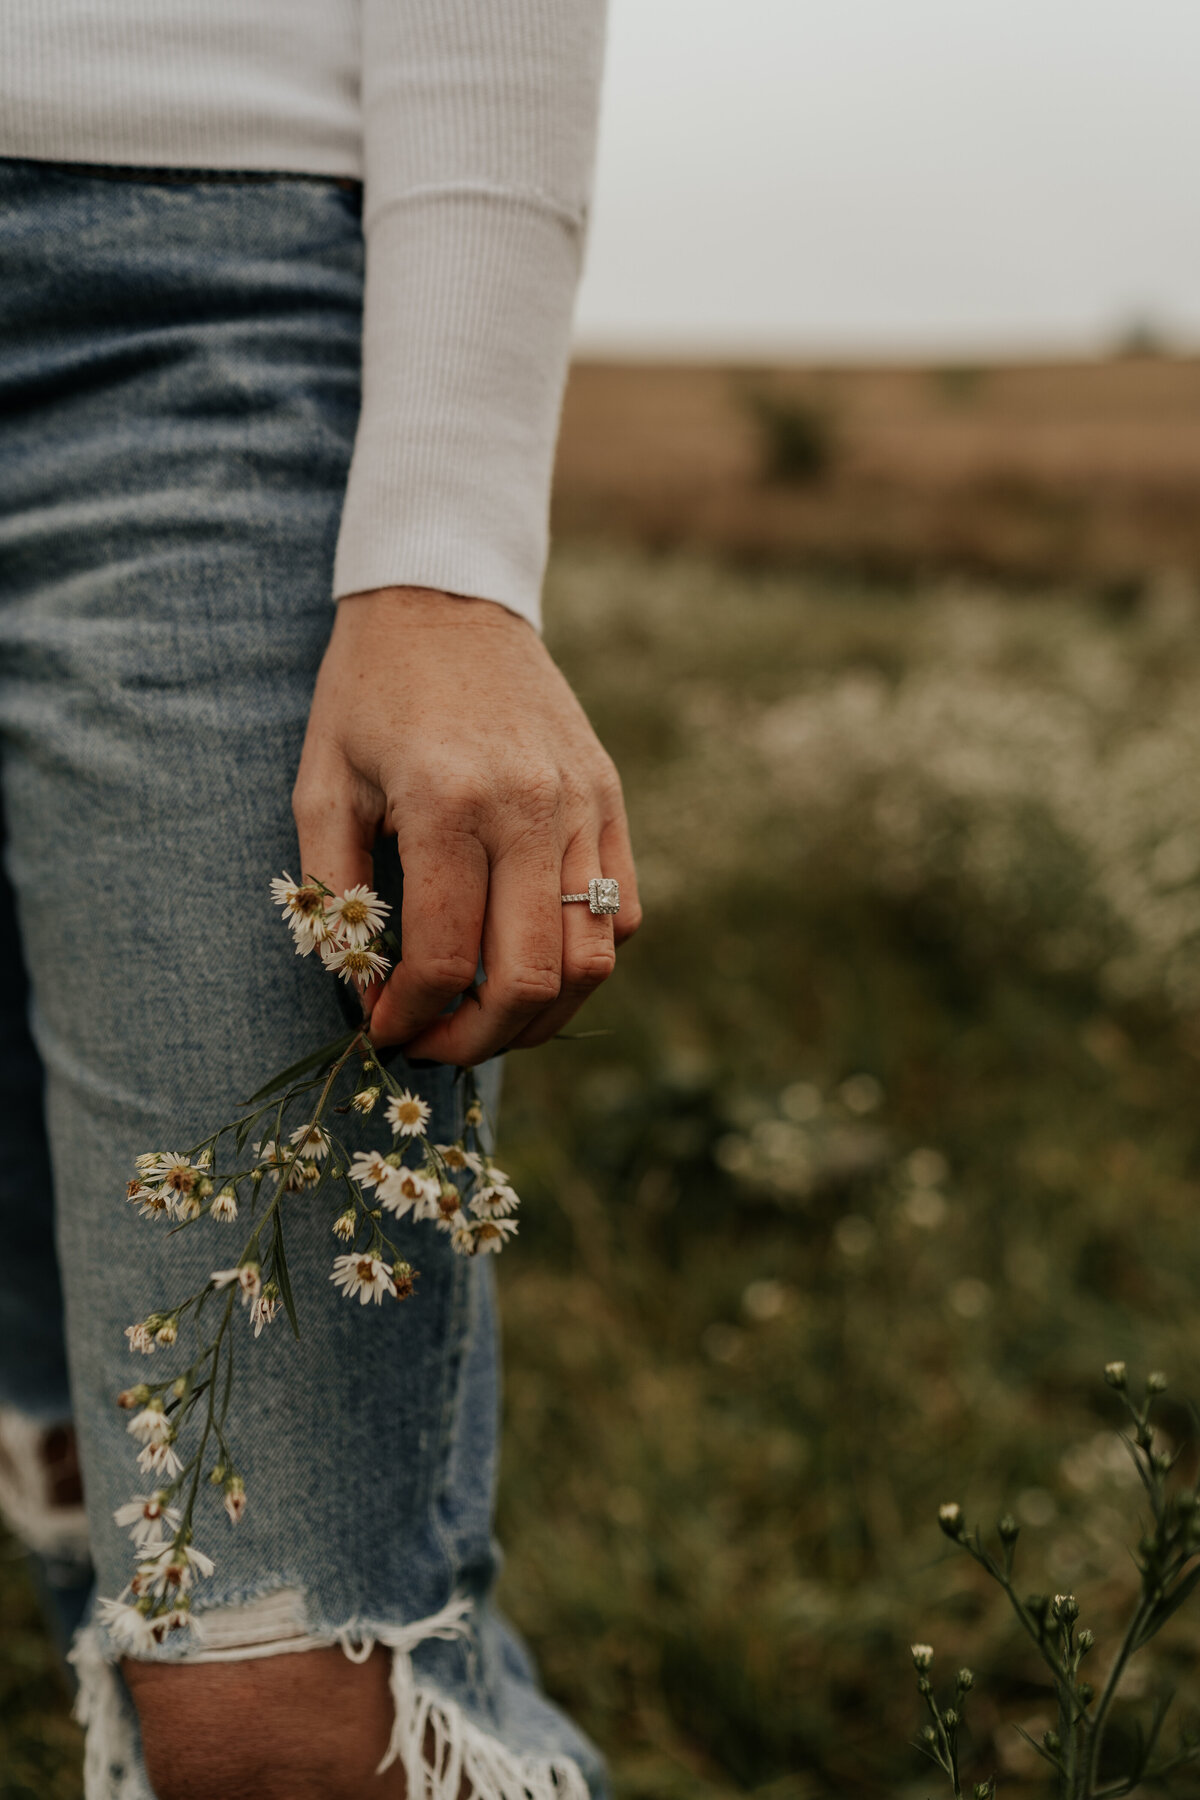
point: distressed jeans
(179, 389)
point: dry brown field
(1031, 471)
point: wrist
(431, 607)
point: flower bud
(205, 1158)
(1008, 1528)
(965, 1680)
(133, 1397)
(1086, 1639)
(1052, 1742)
(922, 1655)
(1066, 1608)
(474, 1114)
(929, 1734)
(982, 1790)
(179, 1386)
(950, 1518)
(1114, 1374)
(1156, 1381)
(924, 1685)
(949, 1718)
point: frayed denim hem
(444, 1754)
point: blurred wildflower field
(890, 1145)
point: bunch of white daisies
(455, 1186)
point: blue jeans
(179, 388)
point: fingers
(335, 833)
(522, 954)
(588, 943)
(445, 893)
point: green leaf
(280, 1272)
(328, 1053)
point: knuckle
(529, 988)
(446, 974)
(590, 968)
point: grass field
(1033, 472)
(892, 1145)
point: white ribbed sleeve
(479, 123)
(472, 124)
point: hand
(444, 721)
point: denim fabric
(179, 387)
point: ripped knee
(305, 1726)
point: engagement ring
(603, 895)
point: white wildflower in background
(225, 1207)
(365, 1276)
(345, 1225)
(151, 1425)
(235, 1498)
(407, 1114)
(140, 1338)
(248, 1277)
(366, 1099)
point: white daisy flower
(302, 901)
(365, 1276)
(247, 1275)
(407, 1190)
(457, 1159)
(370, 1169)
(496, 1176)
(225, 1207)
(450, 1214)
(312, 1139)
(302, 1174)
(140, 1338)
(358, 916)
(177, 1178)
(146, 1516)
(187, 1209)
(403, 1279)
(235, 1498)
(491, 1235)
(175, 1569)
(167, 1332)
(154, 1204)
(262, 1311)
(345, 1225)
(407, 1114)
(493, 1202)
(462, 1238)
(130, 1628)
(365, 1099)
(151, 1425)
(355, 965)
(152, 1163)
(160, 1459)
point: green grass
(756, 1332)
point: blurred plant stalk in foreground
(1169, 1576)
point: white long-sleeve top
(471, 124)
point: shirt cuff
(466, 331)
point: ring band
(603, 895)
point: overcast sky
(909, 176)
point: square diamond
(604, 896)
